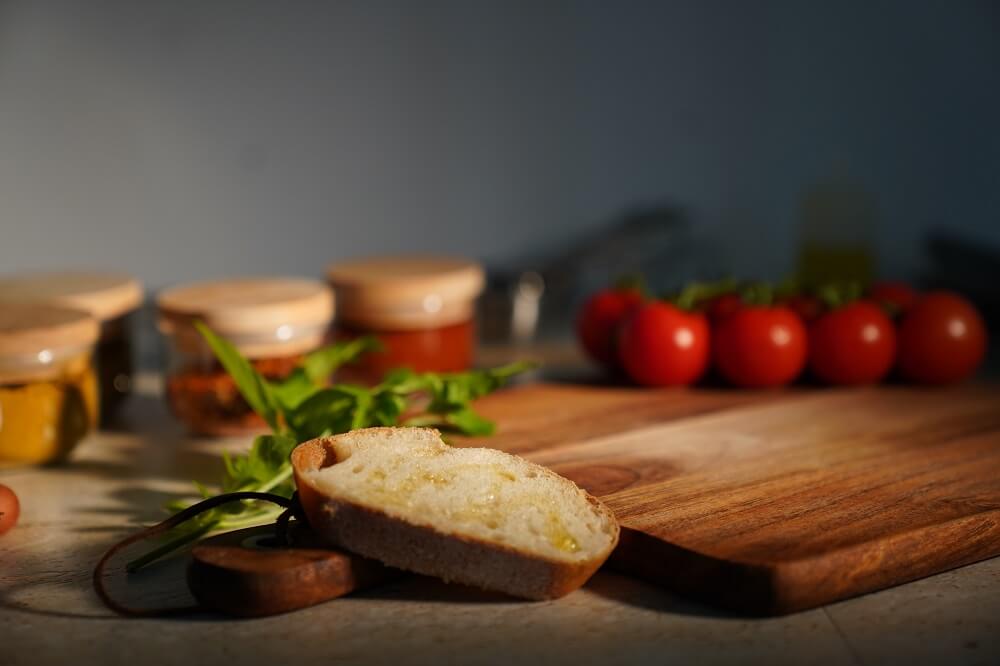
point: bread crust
(423, 549)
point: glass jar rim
(102, 294)
(248, 306)
(406, 292)
(280, 340)
(29, 329)
(41, 365)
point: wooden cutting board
(773, 502)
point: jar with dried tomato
(271, 321)
(112, 299)
(48, 389)
(422, 310)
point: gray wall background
(191, 139)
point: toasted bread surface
(476, 516)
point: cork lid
(273, 314)
(406, 292)
(103, 295)
(34, 339)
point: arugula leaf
(327, 412)
(469, 423)
(453, 393)
(316, 369)
(321, 364)
(251, 385)
(386, 408)
(295, 388)
(464, 421)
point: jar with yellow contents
(112, 299)
(48, 389)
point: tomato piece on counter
(899, 297)
(853, 344)
(660, 344)
(942, 339)
(760, 347)
(10, 509)
(722, 307)
(808, 308)
(599, 319)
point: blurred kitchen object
(838, 219)
(538, 298)
(968, 266)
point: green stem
(169, 547)
(758, 293)
(696, 293)
(184, 539)
(632, 281)
(277, 479)
(250, 521)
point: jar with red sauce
(273, 322)
(422, 310)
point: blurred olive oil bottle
(838, 220)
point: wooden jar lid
(103, 295)
(406, 292)
(261, 316)
(33, 338)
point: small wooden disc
(245, 573)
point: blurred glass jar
(422, 310)
(48, 388)
(271, 321)
(110, 298)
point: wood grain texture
(772, 502)
(243, 573)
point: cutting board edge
(789, 586)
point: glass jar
(48, 388)
(422, 310)
(110, 298)
(273, 322)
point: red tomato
(598, 323)
(760, 347)
(661, 345)
(722, 307)
(809, 308)
(854, 344)
(897, 296)
(942, 339)
(10, 509)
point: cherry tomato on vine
(808, 308)
(599, 320)
(853, 344)
(10, 509)
(897, 296)
(660, 344)
(942, 339)
(760, 346)
(722, 307)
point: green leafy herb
(253, 387)
(302, 407)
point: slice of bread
(475, 516)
